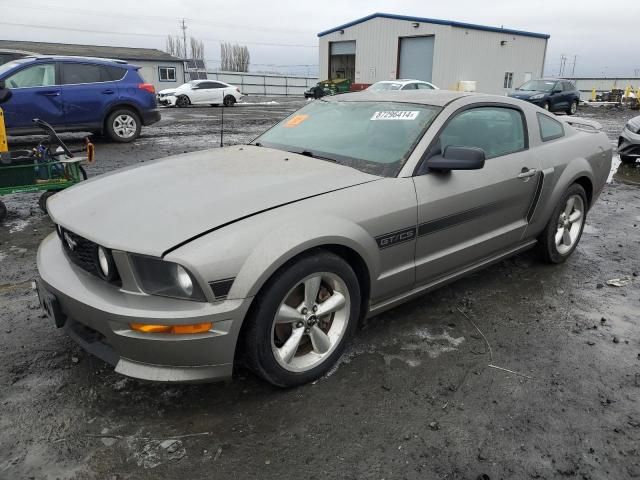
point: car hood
(152, 208)
(167, 91)
(524, 94)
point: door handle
(108, 91)
(50, 94)
(527, 172)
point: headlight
(537, 96)
(106, 265)
(159, 277)
(632, 128)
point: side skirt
(417, 291)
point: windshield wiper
(307, 153)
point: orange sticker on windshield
(295, 121)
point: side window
(410, 86)
(167, 74)
(424, 86)
(42, 75)
(115, 73)
(568, 87)
(496, 130)
(508, 80)
(217, 85)
(77, 73)
(550, 129)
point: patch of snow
(615, 163)
(272, 102)
(19, 225)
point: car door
(557, 98)
(87, 91)
(208, 93)
(35, 94)
(467, 216)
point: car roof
(402, 80)
(36, 58)
(438, 98)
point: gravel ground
(419, 394)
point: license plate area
(49, 303)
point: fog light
(172, 329)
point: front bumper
(168, 101)
(98, 316)
(629, 143)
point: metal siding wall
(459, 54)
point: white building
(383, 46)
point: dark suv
(553, 94)
(78, 94)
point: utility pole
(573, 70)
(184, 37)
(563, 59)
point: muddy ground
(419, 395)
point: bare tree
(174, 46)
(197, 48)
(234, 58)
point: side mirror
(5, 93)
(458, 158)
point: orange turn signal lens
(172, 329)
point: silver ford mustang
(269, 254)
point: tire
(627, 160)
(83, 172)
(561, 236)
(573, 108)
(3, 211)
(264, 341)
(183, 101)
(42, 201)
(123, 125)
(546, 106)
(229, 101)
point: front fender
(296, 237)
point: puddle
(629, 174)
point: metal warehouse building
(157, 67)
(383, 46)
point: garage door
(416, 58)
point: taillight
(148, 87)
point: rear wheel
(123, 126)
(229, 101)
(3, 211)
(302, 320)
(562, 234)
(183, 101)
(573, 108)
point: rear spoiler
(583, 124)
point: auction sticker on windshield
(396, 115)
(296, 120)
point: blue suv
(78, 94)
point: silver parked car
(629, 141)
(268, 254)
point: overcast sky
(281, 35)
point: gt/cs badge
(400, 236)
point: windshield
(373, 137)
(10, 65)
(538, 85)
(381, 86)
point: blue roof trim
(450, 23)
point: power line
(82, 30)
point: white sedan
(200, 92)
(402, 84)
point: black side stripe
(449, 221)
(536, 197)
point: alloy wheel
(570, 224)
(125, 126)
(310, 322)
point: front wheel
(573, 108)
(302, 320)
(562, 234)
(3, 211)
(42, 201)
(123, 126)
(183, 101)
(547, 106)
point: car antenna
(222, 125)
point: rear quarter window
(115, 73)
(550, 129)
